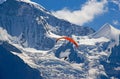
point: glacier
(89, 61)
(27, 42)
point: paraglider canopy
(69, 39)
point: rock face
(30, 22)
(12, 67)
(112, 68)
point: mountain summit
(108, 31)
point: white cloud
(86, 14)
(115, 22)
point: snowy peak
(106, 26)
(107, 31)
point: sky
(91, 13)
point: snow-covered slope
(30, 22)
(11, 66)
(89, 61)
(93, 50)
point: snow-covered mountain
(95, 53)
(30, 22)
(94, 59)
(26, 27)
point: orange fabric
(69, 39)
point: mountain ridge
(30, 19)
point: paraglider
(69, 39)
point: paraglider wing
(69, 39)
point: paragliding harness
(65, 58)
(70, 40)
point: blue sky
(92, 13)
(59, 4)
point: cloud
(87, 13)
(116, 22)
